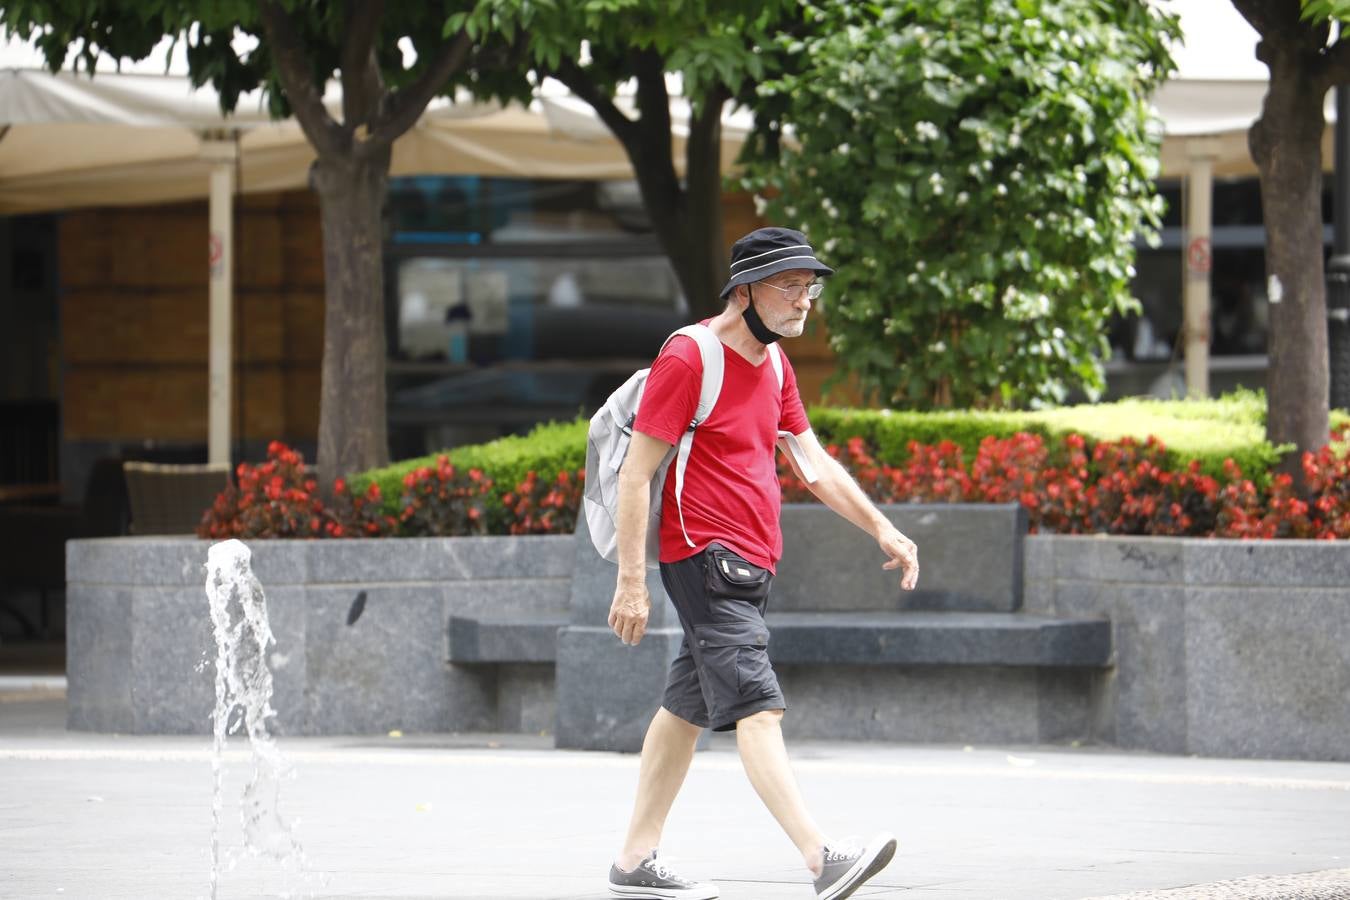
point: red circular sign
(1199, 256)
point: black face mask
(755, 323)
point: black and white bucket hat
(768, 251)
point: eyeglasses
(793, 292)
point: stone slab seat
(505, 639)
(852, 638)
(937, 638)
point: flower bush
(1121, 487)
(279, 499)
(1067, 486)
(444, 500)
(537, 506)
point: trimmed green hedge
(547, 450)
(1206, 430)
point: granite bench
(841, 638)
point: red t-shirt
(731, 492)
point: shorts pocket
(730, 577)
(733, 663)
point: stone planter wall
(1223, 648)
(138, 631)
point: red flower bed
(443, 501)
(277, 499)
(542, 507)
(1122, 487)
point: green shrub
(1209, 431)
(547, 450)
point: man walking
(719, 546)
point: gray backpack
(611, 431)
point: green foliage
(119, 30)
(1209, 431)
(976, 171)
(547, 450)
(1321, 10)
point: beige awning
(71, 141)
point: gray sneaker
(846, 868)
(654, 879)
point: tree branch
(362, 85)
(297, 78)
(406, 106)
(579, 83)
(1335, 70)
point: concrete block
(938, 638)
(387, 670)
(970, 558)
(1275, 564)
(520, 639)
(517, 597)
(1097, 558)
(287, 610)
(98, 658)
(158, 561)
(526, 701)
(950, 704)
(172, 660)
(1038, 557)
(593, 580)
(607, 691)
(1148, 690)
(278, 563)
(1268, 674)
(370, 561)
(525, 556)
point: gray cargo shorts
(722, 673)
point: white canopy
(71, 141)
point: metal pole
(1199, 262)
(1338, 267)
(222, 155)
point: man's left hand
(904, 555)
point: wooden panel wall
(134, 320)
(134, 306)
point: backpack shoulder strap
(710, 350)
(776, 360)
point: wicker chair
(170, 499)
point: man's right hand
(630, 609)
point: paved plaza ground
(482, 816)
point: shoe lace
(662, 868)
(845, 849)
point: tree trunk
(690, 232)
(688, 220)
(353, 434)
(1286, 145)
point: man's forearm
(634, 507)
(836, 489)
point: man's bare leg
(667, 751)
(760, 740)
